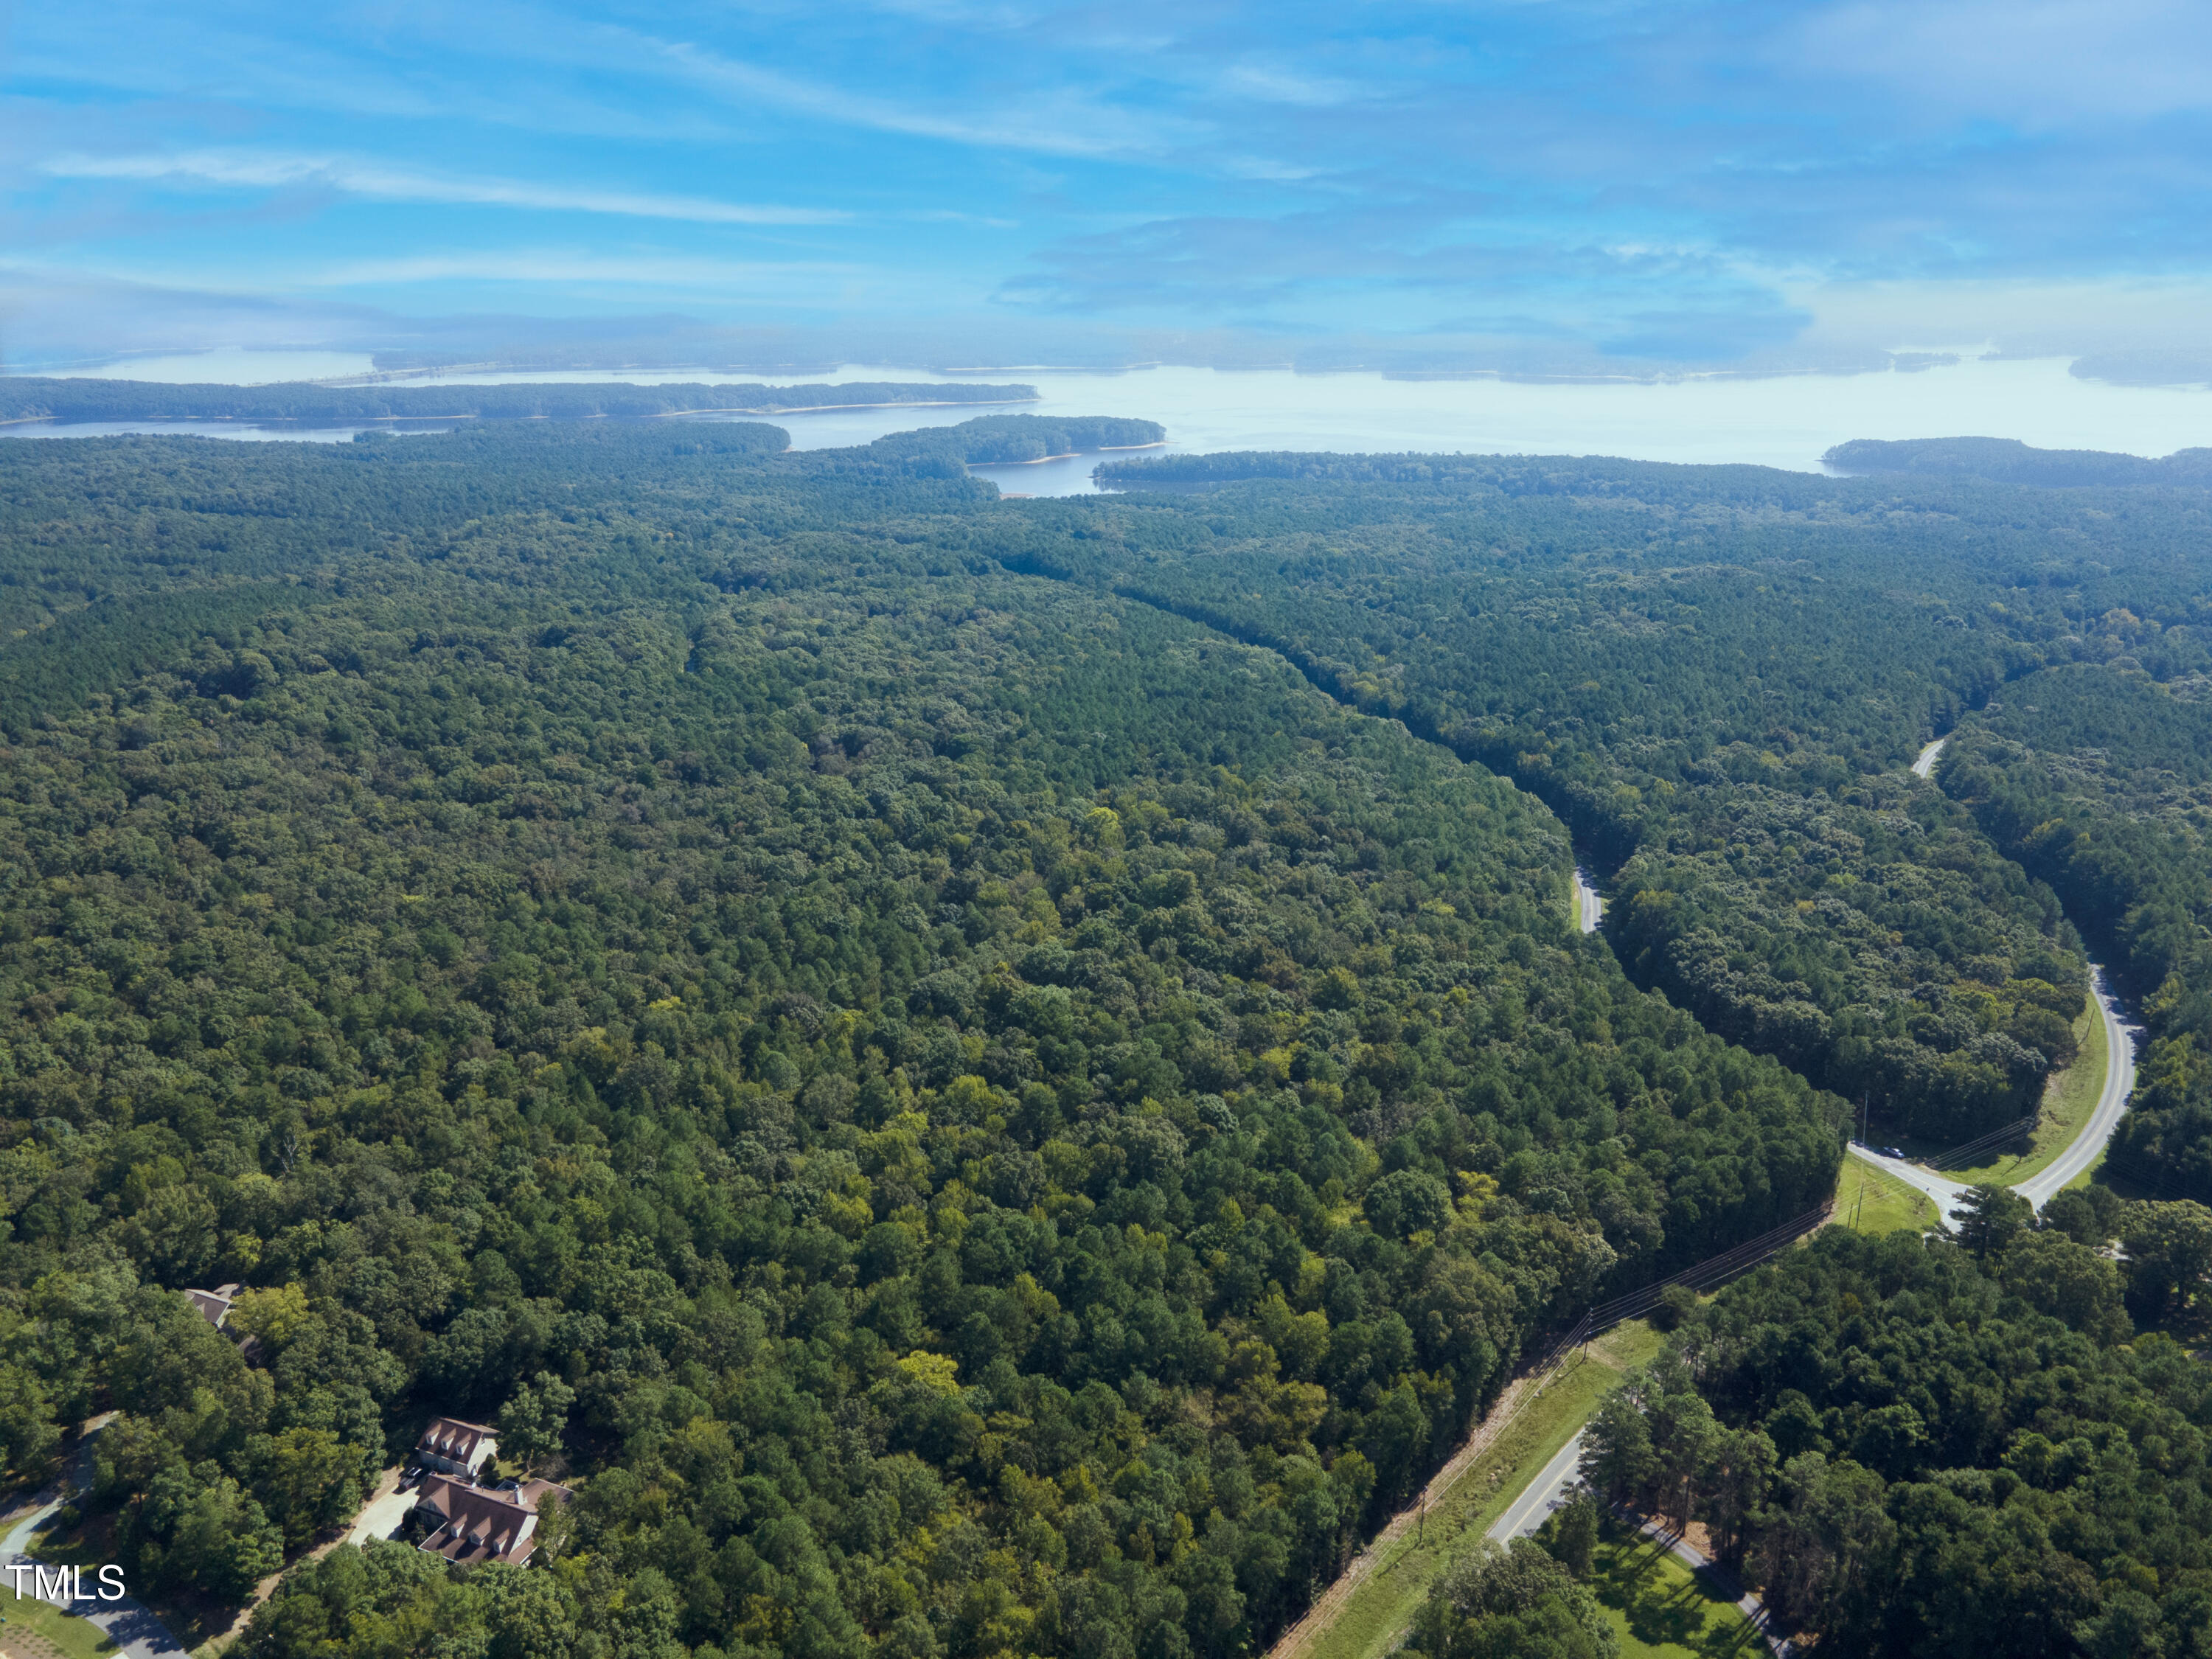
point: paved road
(1541, 1496)
(2081, 1153)
(2111, 1103)
(1548, 1490)
(1588, 906)
(2087, 1145)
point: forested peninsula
(311, 404)
(977, 1077)
(2007, 461)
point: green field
(1875, 1201)
(1380, 1610)
(1659, 1608)
(74, 1637)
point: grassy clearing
(1876, 1202)
(1659, 1608)
(50, 1631)
(1376, 1613)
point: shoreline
(1071, 455)
(318, 424)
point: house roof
(476, 1524)
(214, 1306)
(450, 1438)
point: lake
(1783, 421)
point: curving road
(1589, 908)
(2111, 1102)
(2081, 1153)
(2087, 1145)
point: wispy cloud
(1636, 176)
(269, 171)
(585, 265)
(1063, 122)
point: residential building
(453, 1447)
(473, 1525)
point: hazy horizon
(1783, 421)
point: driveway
(386, 1508)
(129, 1623)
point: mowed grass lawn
(1377, 1614)
(1875, 1201)
(76, 1638)
(1659, 1608)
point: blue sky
(1613, 182)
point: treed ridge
(964, 1115)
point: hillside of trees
(1715, 677)
(991, 1076)
(2099, 779)
(964, 1115)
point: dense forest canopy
(1006, 1077)
(1923, 1449)
(2098, 777)
(1716, 675)
(969, 1114)
(27, 398)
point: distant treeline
(1503, 476)
(987, 440)
(1237, 466)
(2157, 367)
(2007, 461)
(29, 400)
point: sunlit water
(1783, 421)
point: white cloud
(271, 171)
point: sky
(1610, 186)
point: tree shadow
(1665, 1605)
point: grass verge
(1376, 1615)
(1661, 1609)
(1875, 1201)
(50, 1630)
(2067, 1100)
